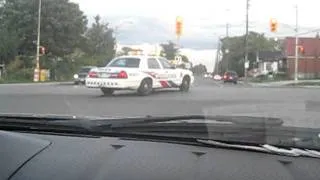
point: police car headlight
(75, 76)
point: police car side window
(165, 63)
(153, 64)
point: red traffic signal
(301, 49)
(42, 50)
(178, 26)
(273, 25)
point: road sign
(178, 59)
(246, 65)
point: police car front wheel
(185, 85)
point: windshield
(122, 59)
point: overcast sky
(199, 12)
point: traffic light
(178, 26)
(273, 25)
(42, 50)
(301, 49)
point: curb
(28, 84)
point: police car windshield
(125, 62)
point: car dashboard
(47, 156)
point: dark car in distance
(80, 77)
(230, 76)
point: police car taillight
(92, 74)
(122, 75)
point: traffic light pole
(296, 49)
(37, 70)
(178, 41)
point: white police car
(140, 73)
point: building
(270, 61)
(309, 57)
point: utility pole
(37, 70)
(246, 39)
(227, 24)
(227, 35)
(296, 48)
(216, 69)
(227, 30)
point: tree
(62, 25)
(100, 41)
(233, 59)
(185, 59)
(199, 69)
(169, 50)
(126, 50)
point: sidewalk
(285, 83)
(38, 83)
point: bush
(20, 75)
(271, 77)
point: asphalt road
(298, 106)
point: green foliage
(126, 50)
(271, 77)
(62, 27)
(17, 71)
(169, 50)
(234, 59)
(185, 59)
(64, 34)
(199, 69)
(100, 42)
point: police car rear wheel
(145, 87)
(185, 85)
(107, 91)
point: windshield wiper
(48, 117)
(266, 148)
(238, 120)
(49, 123)
(234, 129)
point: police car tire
(145, 87)
(185, 85)
(107, 91)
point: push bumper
(112, 83)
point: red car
(230, 76)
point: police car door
(169, 72)
(155, 70)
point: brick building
(309, 60)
